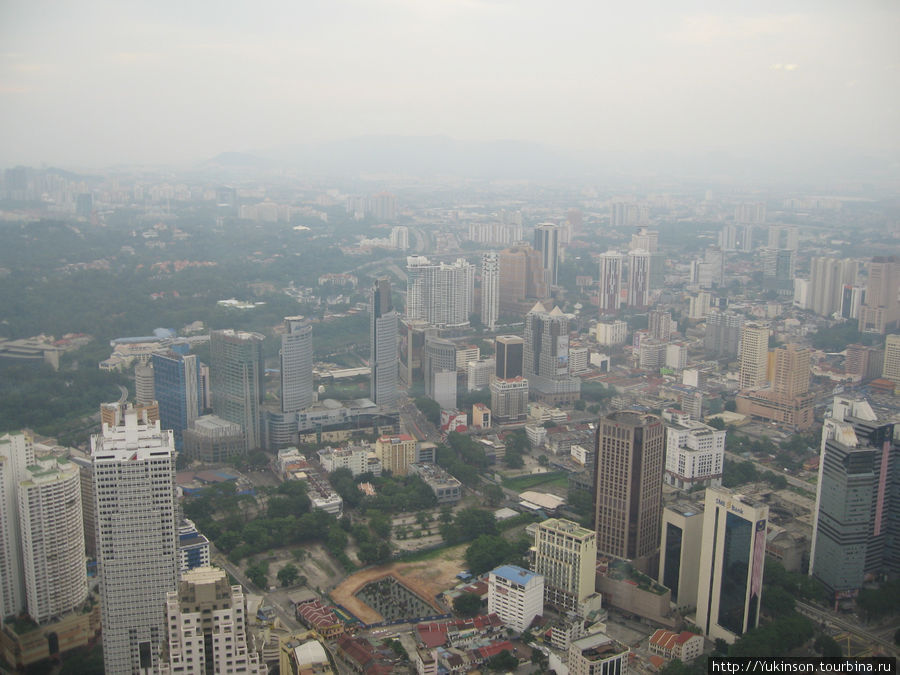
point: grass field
(551, 478)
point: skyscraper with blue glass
(176, 381)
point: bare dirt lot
(427, 578)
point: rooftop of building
(514, 574)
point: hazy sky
(94, 83)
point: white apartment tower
(16, 455)
(565, 554)
(490, 290)
(296, 365)
(516, 595)
(384, 358)
(546, 240)
(610, 282)
(754, 355)
(52, 538)
(639, 278)
(207, 627)
(438, 293)
(137, 538)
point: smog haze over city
(434, 336)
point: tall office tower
(52, 538)
(661, 324)
(137, 550)
(679, 552)
(16, 455)
(296, 365)
(207, 627)
(715, 258)
(623, 213)
(746, 236)
(754, 355)
(827, 278)
(645, 240)
(866, 363)
(546, 356)
(857, 519)
(699, 306)
(383, 206)
(791, 378)
(778, 270)
(610, 282)
(384, 357)
(509, 399)
(695, 454)
(143, 384)
(546, 241)
(728, 237)
(400, 237)
(439, 367)
(521, 279)
(237, 386)
(630, 461)
(565, 554)
(732, 558)
(509, 352)
(439, 293)
(638, 278)
(774, 238)
(881, 309)
(752, 213)
(891, 368)
(176, 382)
(412, 344)
(490, 290)
(792, 238)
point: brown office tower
(509, 350)
(630, 462)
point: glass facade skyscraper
(176, 382)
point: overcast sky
(93, 83)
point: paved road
(123, 395)
(283, 613)
(829, 617)
(792, 480)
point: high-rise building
(679, 552)
(52, 538)
(16, 455)
(857, 518)
(610, 282)
(565, 554)
(490, 290)
(695, 454)
(791, 377)
(714, 258)
(546, 241)
(661, 324)
(891, 367)
(207, 627)
(176, 383)
(630, 462)
(723, 333)
(645, 240)
(384, 357)
(865, 363)
(509, 354)
(237, 387)
(296, 365)
(439, 356)
(396, 453)
(881, 309)
(212, 439)
(778, 270)
(439, 293)
(623, 212)
(732, 558)
(516, 595)
(521, 279)
(137, 549)
(546, 355)
(754, 355)
(750, 212)
(509, 399)
(638, 278)
(827, 278)
(143, 384)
